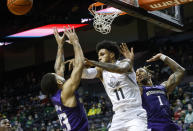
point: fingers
(64, 33)
(124, 48)
(132, 50)
(55, 31)
(151, 59)
(70, 66)
(66, 61)
(68, 41)
(69, 30)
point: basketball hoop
(103, 17)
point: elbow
(183, 71)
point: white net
(102, 21)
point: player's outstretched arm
(59, 66)
(88, 73)
(73, 82)
(178, 71)
(124, 67)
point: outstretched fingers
(132, 51)
(55, 31)
(151, 59)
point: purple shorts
(163, 127)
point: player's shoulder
(153, 87)
(123, 60)
(161, 86)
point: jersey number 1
(160, 100)
(117, 93)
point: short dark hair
(49, 84)
(110, 46)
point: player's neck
(149, 83)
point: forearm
(173, 65)
(78, 54)
(112, 67)
(59, 66)
(175, 77)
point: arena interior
(24, 60)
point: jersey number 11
(117, 93)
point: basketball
(19, 7)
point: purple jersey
(71, 118)
(155, 102)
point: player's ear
(59, 82)
(112, 54)
(149, 75)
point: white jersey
(122, 89)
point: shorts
(127, 120)
(163, 127)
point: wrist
(75, 41)
(163, 57)
(60, 45)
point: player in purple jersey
(63, 93)
(155, 97)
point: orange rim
(100, 4)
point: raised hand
(88, 63)
(154, 58)
(71, 34)
(126, 52)
(59, 39)
(71, 64)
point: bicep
(172, 82)
(67, 90)
(67, 95)
(125, 66)
(72, 83)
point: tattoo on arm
(173, 81)
(123, 68)
(176, 77)
(59, 66)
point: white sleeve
(89, 73)
(125, 63)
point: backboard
(170, 18)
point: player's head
(143, 76)
(50, 83)
(107, 51)
(5, 123)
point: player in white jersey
(119, 80)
